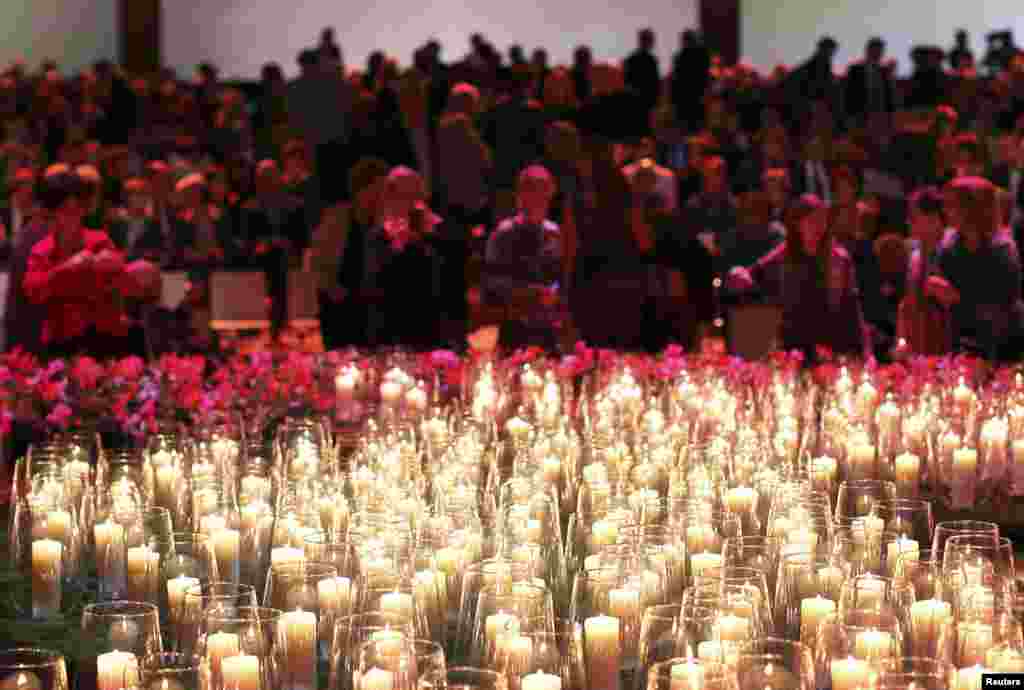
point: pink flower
(129, 368)
(444, 359)
(60, 416)
(87, 373)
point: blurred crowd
(629, 204)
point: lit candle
(176, 588)
(969, 678)
(541, 681)
(733, 628)
(110, 564)
(862, 460)
(813, 612)
(965, 464)
(390, 392)
(298, 629)
(377, 679)
(624, 603)
(850, 674)
(21, 680)
(831, 578)
(219, 646)
(286, 556)
(699, 538)
(115, 670)
(518, 429)
(872, 645)
(926, 620)
(742, 499)
(499, 624)
(603, 652)
(334, 594)
(241, 672)
(710, 652)
(908, 473)
(975, 639)
(226, 547)
(605, 532)
(46, 577)
(701, 562)
(688, 676)
(416, 399)
(824, 471)
(1006, 661)
(143, 567)
(870, 592)
(907, 549)
(399, 604)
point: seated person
(202, 233)
(979, 272)
(82, 279)
(816, 284)
(523, 266)
(401, 282)
(713, 210)
(923, 324)
(133, 229)
(665, 186)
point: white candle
(377, 679)
(286, 556)
(143, 567)
(1006, 661)
(969, 678)
(605, 532)
(901, 548)
(831, 578)
(298, 629)
(733, 628)
(58, 526)
(334, 594)
(926, 619)
(541, 681)
(873, 645)
(850, 674)
(965, 464)
(176, 588)
(241, 672)
(975, 639)
(624, 603)
(603, 652)
(813, 612)
(110, 554)
(47, 569)
(699, 538)
(710, 652)
(226, 547)
(742, 499)
(416, 399)
(908, 471)
(862, 460)
(870, 592)
(702, 562)
(390, 392)
(498, 624)
(219, 646)
(824, 471)
(688, 676)
(399, 604)
(114, 670)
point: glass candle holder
(185, 561)
(39, 669)
(247, 649)
(125, 634)
(772, 662)
(198, 601)
(687, 674)
(171, 671)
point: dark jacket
(23, 320)
(856, 98)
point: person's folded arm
(44, 282)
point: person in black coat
(275, 233)
(691, 74)
(868, 86)
(134, 229)
(642, 73)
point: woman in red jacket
(81, 279)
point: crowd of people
(629, 205)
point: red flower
(129, 368)
(87, 373)
(60, 416)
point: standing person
(273, 224)
(868, 88)
(923, 324)
(401, 281)
(979, 276)
(522, 266)
(642, 73)
(18, 212)
(81, 279)
(691, 74)
(816, 283)
(319, 104)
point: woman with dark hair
(979, 277)
(610, 255)
(81, 279)
(923, 324)
(816, 283)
